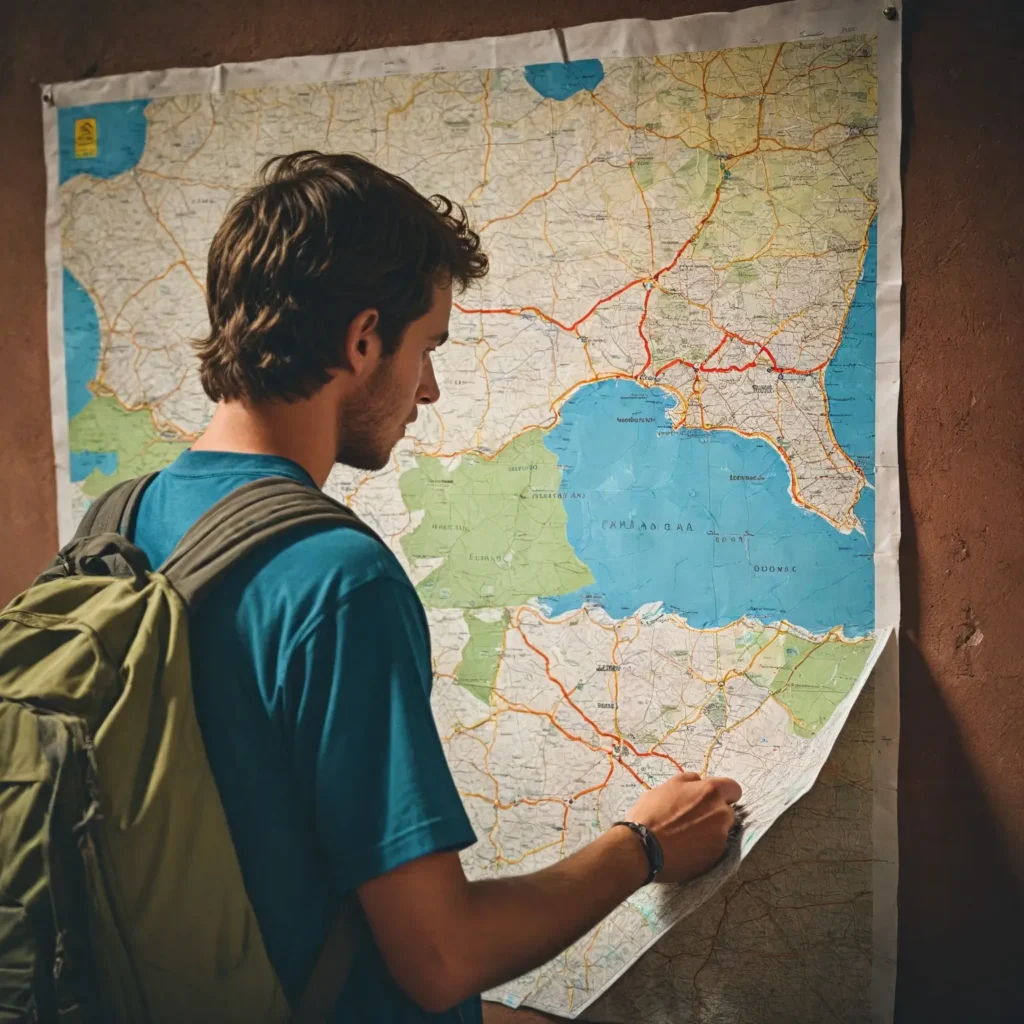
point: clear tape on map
(800, 21)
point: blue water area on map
(564, 79)
(701, 521)
(83, 463)
(81, 365)
(81, 343)
(120, 138)
(850, 382)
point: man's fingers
(729, 788)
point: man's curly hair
(318, 239)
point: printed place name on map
(632, 524)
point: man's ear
(362, 349)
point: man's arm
(445, 938)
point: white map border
(801, 19)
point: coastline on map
(701, 521)
(850, 383)
(116, 140)
(82, 346)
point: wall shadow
(961, 901)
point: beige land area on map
(697, 222)
(604, 215)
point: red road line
(593, 725)
(702, 367)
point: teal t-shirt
(311, 670)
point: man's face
(375, 419)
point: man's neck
(303, 431)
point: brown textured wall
(962, 557)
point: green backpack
(121, 897)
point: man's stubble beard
(367, 422)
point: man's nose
(429, 392)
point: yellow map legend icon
(86, 138)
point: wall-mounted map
(653, 518)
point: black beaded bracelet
(655, 858)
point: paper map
(654, 517)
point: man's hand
(691, 818)
(444, 938)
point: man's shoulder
(346, 556)
(316, 569)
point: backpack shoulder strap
(241, 522)
(237, 525)
(93, 549)
(114, 511)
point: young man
(329, 287)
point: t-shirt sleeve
(366, 745)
